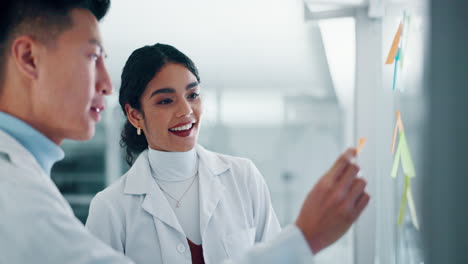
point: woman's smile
(182, 130)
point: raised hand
(334, 203)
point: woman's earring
(138, 131)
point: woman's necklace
(182, 196)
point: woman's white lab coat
(134, 217)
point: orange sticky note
(360, 145)
(394, 49)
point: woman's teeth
(182, 128)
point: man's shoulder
(23, 187)
(13, 174)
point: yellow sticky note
(408, 197)
(360, 145)
(401, 215)
(394, 48)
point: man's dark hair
(42, 19)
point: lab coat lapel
(156, 204)
(140, 181)
(18, 155)
(211, 187)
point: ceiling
(243, 44)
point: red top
(197, 253)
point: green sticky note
(406, 160)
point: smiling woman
(173, 107)
(142, 94)
(178, 201)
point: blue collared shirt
(46, 152)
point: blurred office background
(288, 84)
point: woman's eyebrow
(172, 90)
(162, 90)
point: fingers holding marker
(358, 197)
(353, 187)
(334, 203)
(341, 164)
(349, 168)
(348, 176)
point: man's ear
(134, 116)
(25, 55)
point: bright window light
(260, 107)
(339, 38)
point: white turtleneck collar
(173, 166)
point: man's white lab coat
(37, 224)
